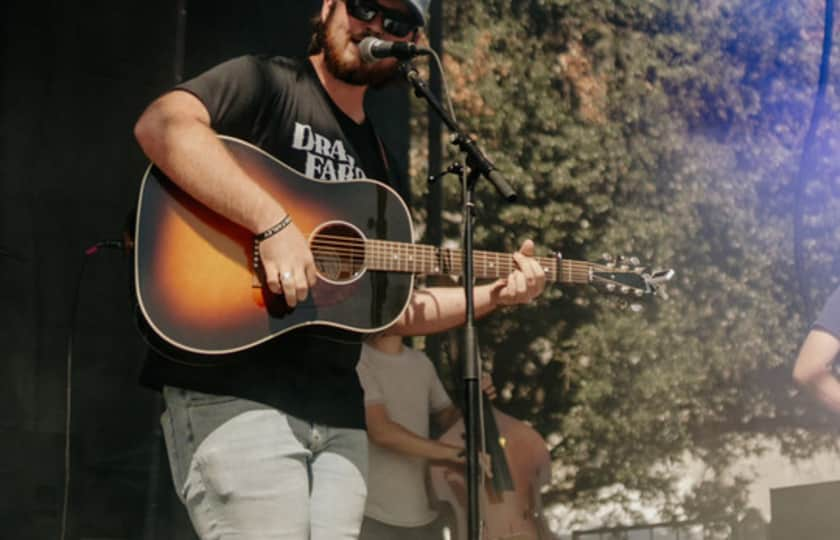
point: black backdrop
(76, 75)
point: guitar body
(194, 279)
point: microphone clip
(373, 49)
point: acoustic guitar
(198, 291)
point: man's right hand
(289, 265)
(487, 386)
(459, 457)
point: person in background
(402, 393)
(815, 370)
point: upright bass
(511, 502)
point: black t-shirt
(829, 318)
(280, 105)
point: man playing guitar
(269, 441)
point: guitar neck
(432, 260)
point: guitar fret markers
(425, 259)
(430, 260)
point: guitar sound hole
(339, 251)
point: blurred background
(697, 135)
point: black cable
(74, 306)
(806, 163)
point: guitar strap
(395, 179)
(383, 154)
(381, 278)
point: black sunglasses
(394, 22)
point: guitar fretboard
(432, 260)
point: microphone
(373, 49)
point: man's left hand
(525, 283)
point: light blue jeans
(246, 471)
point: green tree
(671, 130)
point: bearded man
(271, 444)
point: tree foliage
(671, 130)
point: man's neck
(347, 97)
(388, 344)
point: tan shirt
(408, 385)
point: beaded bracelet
(271, 231)
(266, 234)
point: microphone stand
(478, 166)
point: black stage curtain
(76, 75)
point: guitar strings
(423, 250)
(569, 274)
(573, 272)
(385, 255)
(428, 252)
(425, 255)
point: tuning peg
(606, 257)
(636, 307)
(634, 261)
(625, 290)
(610, 287)
(660, 276)
(623, 263)
(656, 278)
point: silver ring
(286, 276)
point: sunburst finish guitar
(197, 290)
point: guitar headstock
(627, 276)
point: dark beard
(355, 72)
